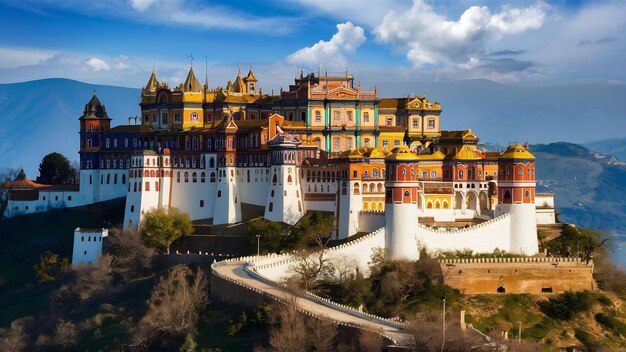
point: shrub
(566, 305)
(611, 323)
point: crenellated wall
(482, 238)
(534, 275)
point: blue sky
(118, 41)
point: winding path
(242, 273)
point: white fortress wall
(194, 198)
(47, 199)
(482, 238)
(370, 220)
(437, 214)
(320, 205)
(253, 184)
(354, 254)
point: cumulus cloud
(98, 64)
(429, 38)
(142, 5)
(332, 53)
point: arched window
(507, 194)
(274, 179)
(186, 177)
(308, 176)
(289, 179)
(194, 177)
(202, 177)
(356, 189)
(212, 177)
(344, 188)
(178, 177)
(375, 173)
(354, 174)
(460, 174)
(107, 143)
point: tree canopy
(159, 228)
(56, 169)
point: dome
(516, 151)
(402, 153)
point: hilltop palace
(324, 144)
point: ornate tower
(250, 83)
(284, 198)
(516, 195)
(93, 122)
(401, 186)
(227, 201)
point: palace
(324, 144)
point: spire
(239, 86)
(95, 109)
(250, 77)
(153, 84)
(206, 72)
(191, 83)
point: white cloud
(429, 38)
(142, 5)
(98, 64)
(14, 57)
(331, 53)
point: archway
(472, 201)
(484, 201)
(501, 289)
(458, 200)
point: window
(194, 177)
(147, 186)
(154, 118)
(415, 123)
(186, 177)
(202, 177)
(403, 172)
(212, 177)
(349, 115)
(396, 143)
(433, 174)
(176, 118)
(318, 116)
(424, 174)
(366, 142)
(336, 115)
(156, 186)
(201, 203)
(385, 144)
(431, 123)
(366, 117)
(460, 174)
(193, 117)
(389, 120)
(107, 143)
(520, 171)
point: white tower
(350, 201)
(149, 185)
(516, 195)
(284, 196)
(401, 205)
(87, 246)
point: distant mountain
(501, 113)
(588, 186)
(612, 146)
(39, 117)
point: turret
(516, 195)
(284, 198)
(402, 186)
(250, 82)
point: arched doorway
(472, 202)
(458, 200)
(484, 201)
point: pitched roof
(94, 109)
(239, 86)
(250, 77)
(402, 153)
(153, 84)
(191, 83)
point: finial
(301, 72)
(191, 57)
(94, 92)
(346, 71)
(239, 71)
(318, 71)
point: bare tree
(65, 334)
(15, 337)
(131, 258)
(345, 268)
(312, 263)
(288, 332)
(322, 334)
(174, 307)
(6, 177)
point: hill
(588, 186)
(40, 117)
(611, 146)
(501, 113)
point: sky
(118, 42)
